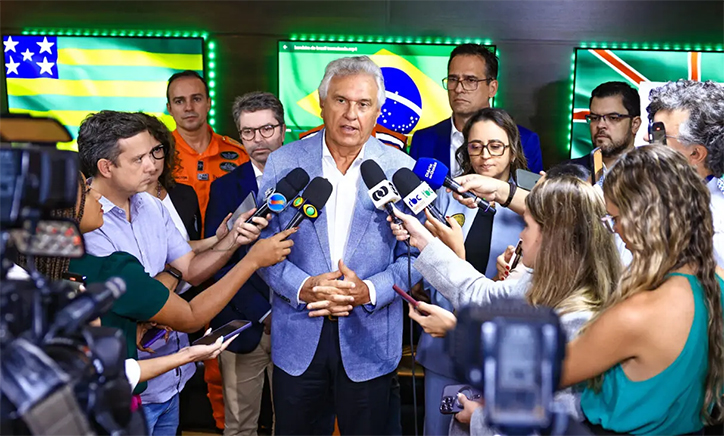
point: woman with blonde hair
(655, 353)
(574, 260)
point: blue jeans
(162, 418)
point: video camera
(58, 375)
(513, 352)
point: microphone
(416, 194)
(286, 189)
(87, 306)
(436, 174)
(316, 196)
(380, 190)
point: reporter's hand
(197, 353)
(411, 229)
(435, 320)
(141, 329)
(451, 236)
(487, 188)
(502, 261)
(469, 406)
(272, 250)
(223, 228)
(246, 233)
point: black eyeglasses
(267, 131)
(613, 117)
(469, 83)
(494, 147)
(158, 152)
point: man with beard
(614, 119)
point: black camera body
(58, 374)
(512, 352)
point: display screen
(68, 77)
(413, 80)
(643, 69)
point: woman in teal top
(653, 359)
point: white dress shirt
(340, 208)
(456, 140)
(257, 174)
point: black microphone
(380, 190)
(286, 189)
(416, 194)
(87, 306)
(437, 174)
(316, 196)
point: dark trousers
(306, 404)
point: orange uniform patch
(198, 170)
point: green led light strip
(210, 47)
(388, 39)
(627, 46)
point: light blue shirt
(152, 237)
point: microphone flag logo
(276, 202)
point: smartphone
(151, 336)
(596, 164)
(74, 280)
(657, 133)
(406, 296)
(227, 330)
(248, 204)
(516, 255)
(526, 179)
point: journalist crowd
(627, 251)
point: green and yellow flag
(69, 77)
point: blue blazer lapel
(442, 143)
(311, 161)
(364, 210)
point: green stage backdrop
(643, 69)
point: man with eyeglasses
(614, 118)
(471, 82)
(118, 153)
(693, 117)
(259, 118)
(203, 154)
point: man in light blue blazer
(337, 326)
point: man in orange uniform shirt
(204, 156)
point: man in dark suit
(472, 80)
(259, 118)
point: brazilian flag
(69, 77)
(413, 80)
(643, 69)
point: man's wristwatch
(174, 272)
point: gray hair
(705, 126)
(353, 65)
(257, 101)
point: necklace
(158, 190)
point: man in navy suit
(472, 80)
(337, 326)
(259, 118)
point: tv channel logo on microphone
(420, 198)
(310, 211)
(297, 203)
(277, 202)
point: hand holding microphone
(410, 228)
(436, 174)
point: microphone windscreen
(318, 192)
(372, 174)
(432, 171)
(297, 179)
(405, 181)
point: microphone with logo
(380, 190)
(416, 194)
(315, 197)
(287, 188)
(436, 174)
